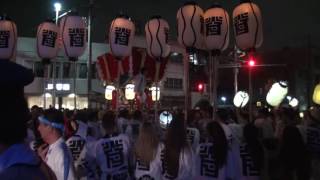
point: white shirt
(193, 137)
(112, 155)
(152, 170)
(82, 150)
(59, 159)
(186, 165)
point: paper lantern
(155, 92)
(277, 93)
(316, 94)
(74, 36)
(241, 99)
(157, 30)
(121, 36)
(190, 25)
(247, 23)
(47, 41)
(129, 92)
(165, 119)
(293, 102)
(108, 92)
(216, 28)
(8, 38)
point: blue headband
(52, 124)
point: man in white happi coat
(56, 155)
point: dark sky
(287, 23)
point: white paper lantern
(108, 92)
(8, 39)
(216, 28)
(129, 92)
(74, 36)
(190, 25)
(155, 93)
(241, 99)
(293, 102)
(247, 23)
(277, 93)
(47, 40)
(165, 119)
(121, 34)
(316, 94)
(157, 30)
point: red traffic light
(251, 61)
(200, 87)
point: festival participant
(147, 153)
(56, 155)
(177, 155)
(17, 160)
(112, 152)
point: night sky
(287, 23)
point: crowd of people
(107, 145)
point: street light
(57, 8)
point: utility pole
(89, 62)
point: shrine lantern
(155, 93)
(121, 36)
(47, 41)
(241, 99)
(277, 93)
(216, 28)
(8, 38)
(247, 23)
(109, 92)
(190, 25)
(129, 92)
(74, 36)
(316, 94)
(157, 30)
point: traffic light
(251, 61)
(200, 87)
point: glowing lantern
(247, 22)
(129, 92)
(74, 36)
(121, 36)
(155, 92)
(108, 92)
(165, 119)
(316, 94)
(216, 28)
(190, 25)
(277, 93)
(241, 99)
(47, 41)
(293, 102)
(8, 38)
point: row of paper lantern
(195, 29)
(275, 96)
(210, 29)
(130, 94)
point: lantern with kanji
(157, 30)
(74, 36)
(277, 93)
(121, 36)
(129, 92)
(247, 23)
(8, 38)
(190, 25)
(216, 28)
(47, 41)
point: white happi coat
(151, 171)
(193, 137)
(186, 165)
(112, 155)
(82, 150)
(59, 159)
